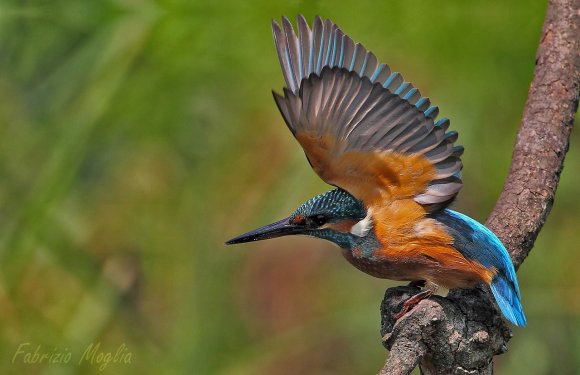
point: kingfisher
(394, 165)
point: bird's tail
(507, 296)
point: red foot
(412, 301)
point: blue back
(478, 243)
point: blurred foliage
(139, 135)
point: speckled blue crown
(336, 204)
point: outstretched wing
(361, 127)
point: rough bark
(460, 334)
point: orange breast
(414, 247)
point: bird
(394, 167)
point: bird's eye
(319, 220)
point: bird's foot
(411, 302)
(429, 289)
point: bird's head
(335, 216)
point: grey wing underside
(337, 87)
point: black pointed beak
(277, 229)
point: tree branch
(544, 135)
(460, 334)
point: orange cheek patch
(343, 226)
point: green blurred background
(137, 136)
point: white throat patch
(361, 228)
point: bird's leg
(428, 289)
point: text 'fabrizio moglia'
(93, 355)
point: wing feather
(305, 36)
(393, 82)
(293, 51)
(381, 74)
(422, 104)
(362, 127)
